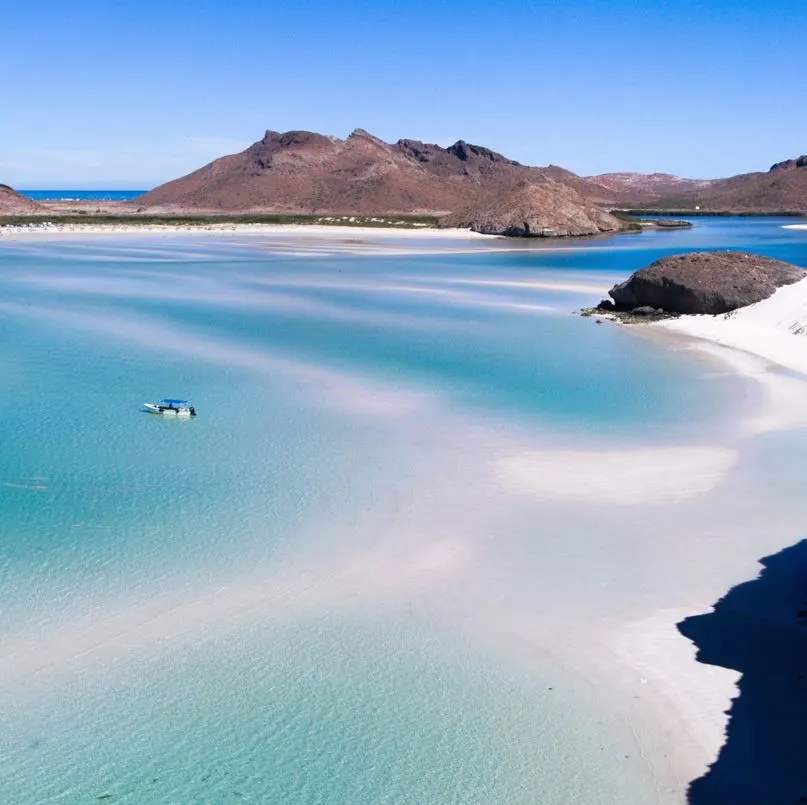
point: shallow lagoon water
(321, 590)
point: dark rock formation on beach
(704, 282)
(12, 203)
(547, 210)
(672, 223)
(307, 173)
(759, 628)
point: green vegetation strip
(710, 213)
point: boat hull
(164, 411)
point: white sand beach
(288, 240)
(774, 329)
(170, 228)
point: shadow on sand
(760, 629)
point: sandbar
(171, 228)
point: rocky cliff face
(546, 210)
(704, 282)
(12, 203)
(305, 172)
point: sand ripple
(624, 477)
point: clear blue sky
(132, 93)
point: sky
(131, 94)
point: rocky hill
(635, 188)
(305, 172)
(783, 187)
(12, 203)
(550, 209)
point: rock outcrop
(12, 203)
(789, 164)
(551, 209)
(670, 223)
(304, 172)
(704, 282)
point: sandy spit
(242, 229)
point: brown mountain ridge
(635, 188)
(306, 172)
(782, 188)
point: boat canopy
(174, 402)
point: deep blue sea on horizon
(82, 195)
(378, 566)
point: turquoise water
(82, 195)
(313, 593)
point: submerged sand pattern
(427, 540)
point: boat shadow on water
(759, 628)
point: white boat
(171, 408)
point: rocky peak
(362, 134)
(290, 139)
(466, 152)
(418, 150)
(790, 164)
(263, 152)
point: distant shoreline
(698, 213)
(75, 195)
